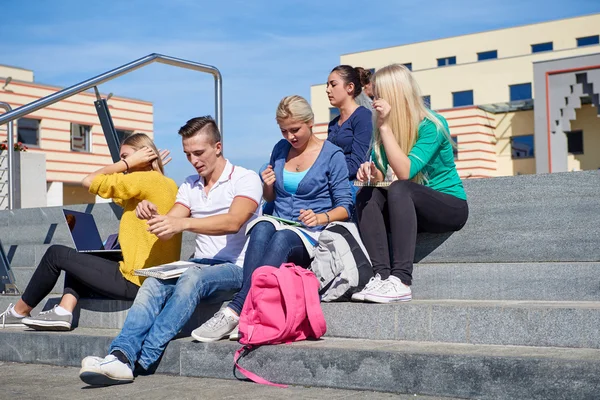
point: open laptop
(86, 237)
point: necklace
(298, 168)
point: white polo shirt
(234, 182)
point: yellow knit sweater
(140, 248)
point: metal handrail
(9, 154)
(122, 70)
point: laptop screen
(83, 230)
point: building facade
(497, 88)
(68, 133)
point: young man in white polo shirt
(216, 204)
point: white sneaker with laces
(110, 371)
(8, 320)
(391, 290)
(91, 360)
(216, 328)
(372, 285)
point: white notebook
(165, 271)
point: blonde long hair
(295, 107)
(139, 140)
(396, 84)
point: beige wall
(511, 124)
(18, 74)
(63, 164)
(589, 122)
(509, 42)
(76, 194)
(488, 79)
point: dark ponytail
(350, 75)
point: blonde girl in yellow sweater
(137, 176)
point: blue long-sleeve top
(353, 137)
(324, 187)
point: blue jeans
(162, 307)
(268, 246)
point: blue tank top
(291, 180)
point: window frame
(37, 132)
(580, 132)
(484, 53)
(515, 86)
(533, 47)
(460, 92)
(446, 61)
(87, 139)
(524, 157)
(595, 38)
(454, 139)
(427, 100)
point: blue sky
(264, 49)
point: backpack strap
(314, 312)
(250, 375)
(288, 292)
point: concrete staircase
(507, 308)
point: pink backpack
(282, 306)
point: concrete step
(470, 281)
(527, 218)
(438, 369)
(519, 323)
(51, 382)
(23, 276)
(557, 281)
(30, 254)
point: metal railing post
(10, 144)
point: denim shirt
(322, 189)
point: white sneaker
(91, 360)
(216, 328)
(8, 320)
(110, 371)
(391, 290)
(235, 335)
(372, 285)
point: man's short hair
(205, 125)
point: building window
(588, 40)
(536, 48)
(122, 134)
(575, 142)
(427, 101)
(409, 66)
(461, 99)
(446, 61)
(487, 55)
(28, 131)
(81, 137)
(521, 91)
(522, 146)
(455, 146)
(333, 112)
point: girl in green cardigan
(412, 149)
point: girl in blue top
(411, 147)
(352, 129)
(307, 180)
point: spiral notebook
(373, 184)
(165, 271)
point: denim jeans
(268, 246)
(162, 307)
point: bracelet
(127, 165)
(328, 220)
